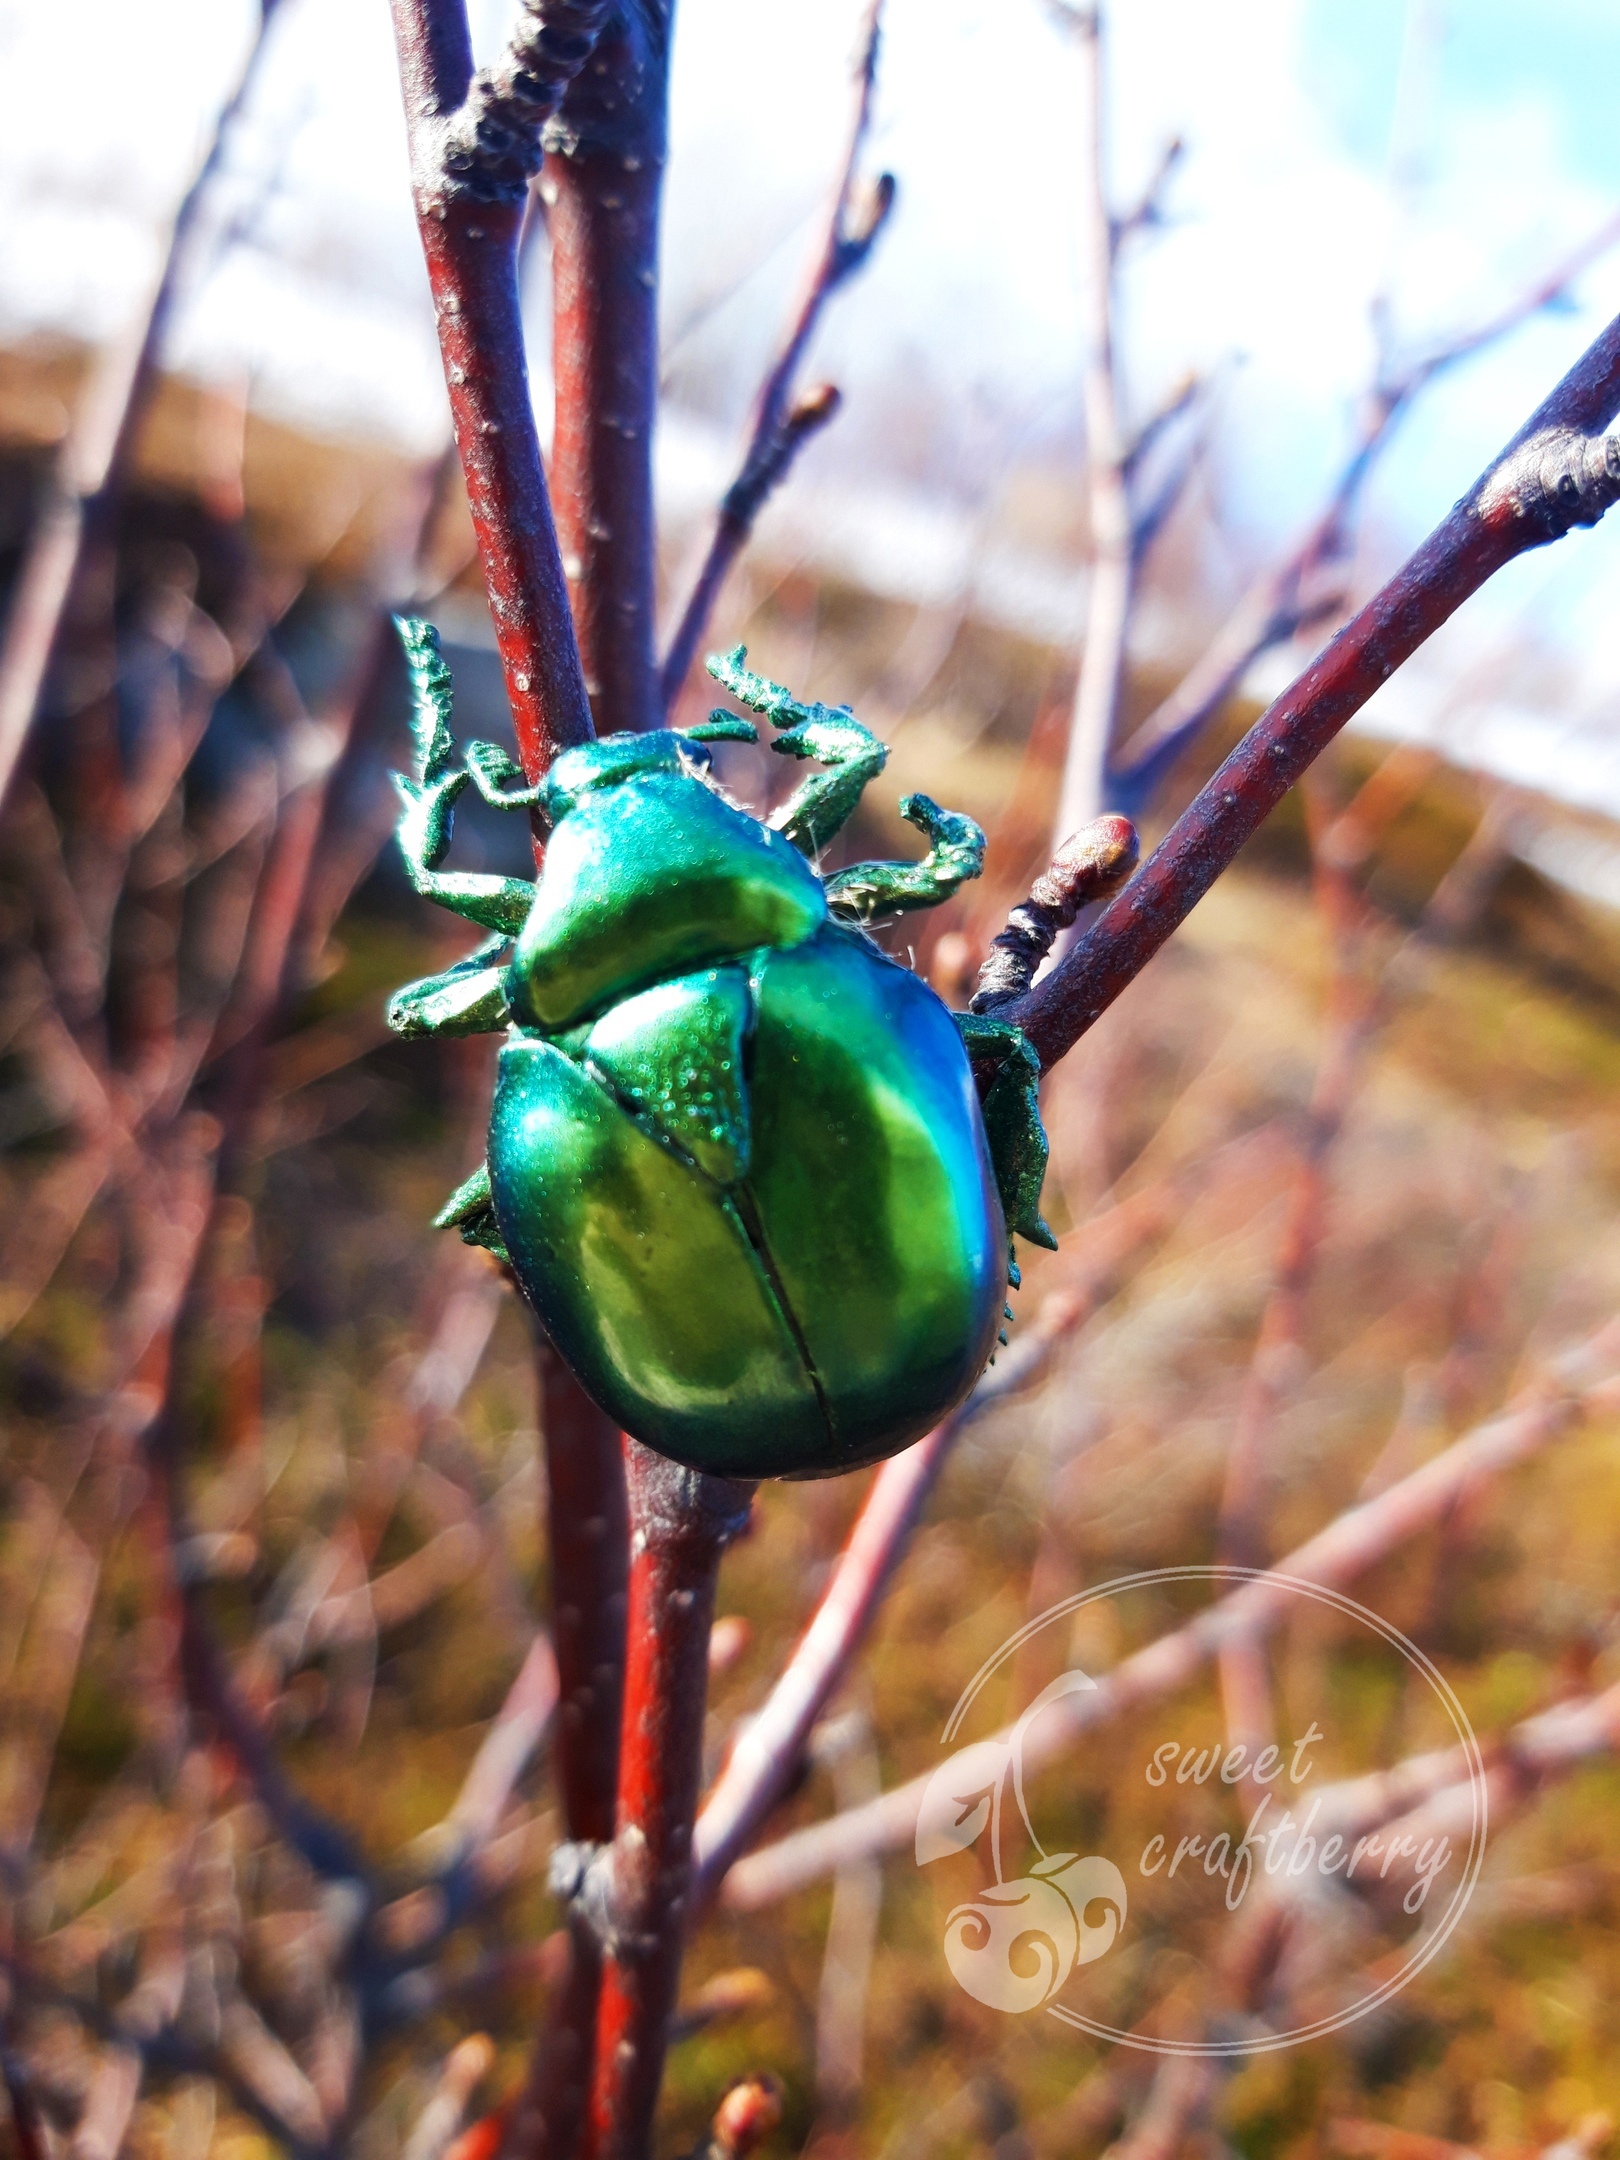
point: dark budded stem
(470, 215)
(1558, 472)
(681, 1522)
(1091, 865)
(785, 419)
(602, 184)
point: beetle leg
(467, 999)
(500, 779)
(887, 888)
(429, 799)
(1012, 1121)
(830, 734)
(471, 1210)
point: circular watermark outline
(1429, 1942)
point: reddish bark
(471, 250)
(1559, 471)
(602, 184)
(589, 1545)
(682, 1521)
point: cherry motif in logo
(1015, 1944)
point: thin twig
(471, 248)
(515, 1732)
(1292, 596)
(1559, 471)
(93, 464)
(602, 185)
(1354, 1541)
(1111, 536)
(785, 419)
(771, 1745)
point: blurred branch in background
(1582, 1383)
(73, 522)
(786, 418)
(1306, 587)
(1559, 472)
(1118, 531)
(273, 1838)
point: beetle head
(615, 758)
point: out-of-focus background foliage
(1408, 990)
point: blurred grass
(1475, 1188)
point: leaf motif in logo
(960, 1797)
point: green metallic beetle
(737, 1159)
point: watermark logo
(1369, 1862)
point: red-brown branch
(784, 419)
(602, 184)
(1558, 472)
(639, 1889)
(589, 1546)
(471, 246)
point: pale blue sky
(957, 351)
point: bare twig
(1095, 716)
(770, 1747)
(1561, 470)
(845, 1746)
(471, 250)
(602, 184)
(785, 418)
(588, 1520)
(93, 464)
(516, 1731)
(1302, 589)
(465, 2068)
(1337, 1554)
(639, 1888)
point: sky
(1442, 150)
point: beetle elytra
(738, 1161)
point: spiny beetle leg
(888, 888)
(830, 734)
(499, 778)
(1012, 1121)
(429, 798)
(471, 1210)
(467, 999)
